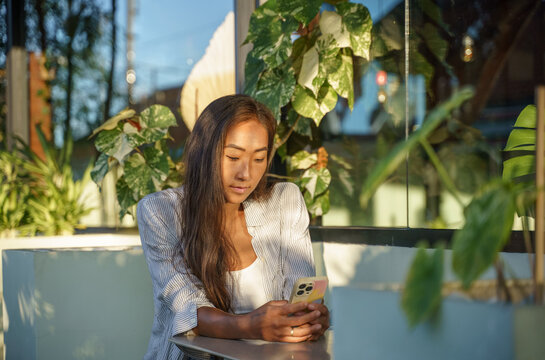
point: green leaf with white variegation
(157, 117)
(307, 105)
(318, 61)
(101, 168)
(276, 87)
(342, 79)
(302, 160)
(126, 197)
(145, 173)
(301, 125)
(309, 70)
(111, 123)
(252, 72)
(114, 143)
(303, 10)
(332, 23)
(318, 180)
(260, 20)
(318, 206)
(154, 123)
(270, 33)
(357, 20)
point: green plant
(133, 147)
(300, 80)
(40, 196)
(488, 217)
(14, 193)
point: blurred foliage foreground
(488, 216)
(39, 196)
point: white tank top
(247, 288)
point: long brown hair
(206, 251)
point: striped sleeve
(175, 295)
(298, 260)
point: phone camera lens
(300, 292)
(308, 288)
(302, 286)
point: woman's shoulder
(285, 188)
(283, 192)
(161, 202)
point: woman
(225, 248)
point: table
(198, 346)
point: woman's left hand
(323, 319)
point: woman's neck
(232, 212)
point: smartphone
(309, 289)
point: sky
(169, 37)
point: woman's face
(244, 160)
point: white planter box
(370, 324)
(76, 304)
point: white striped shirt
(279, 228)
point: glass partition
(423, 51)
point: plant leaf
(320, 205)
(358, 22)
(145, 173)
(421, 297)
(270, 33)
(519, 166)
(275, 88)
(309, 70)
(114, 143)
(521, 139)
(302, 160)
(394, 159)
(523, 135)
(302, 10)
(153, 126)
(342, 79)
(489, 219)
(317, 181)
(308, 106)
(101, 168)
(332, 23)
(252, 72)
(126, 197)
(112, 122)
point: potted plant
(427, 325)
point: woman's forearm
(216, 323)
(273, 321)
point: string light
(467, 51)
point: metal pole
(17, 75)
(243, 12)
(130, 76)
(540, 184)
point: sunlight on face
(244, 160)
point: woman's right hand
(275, 320)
